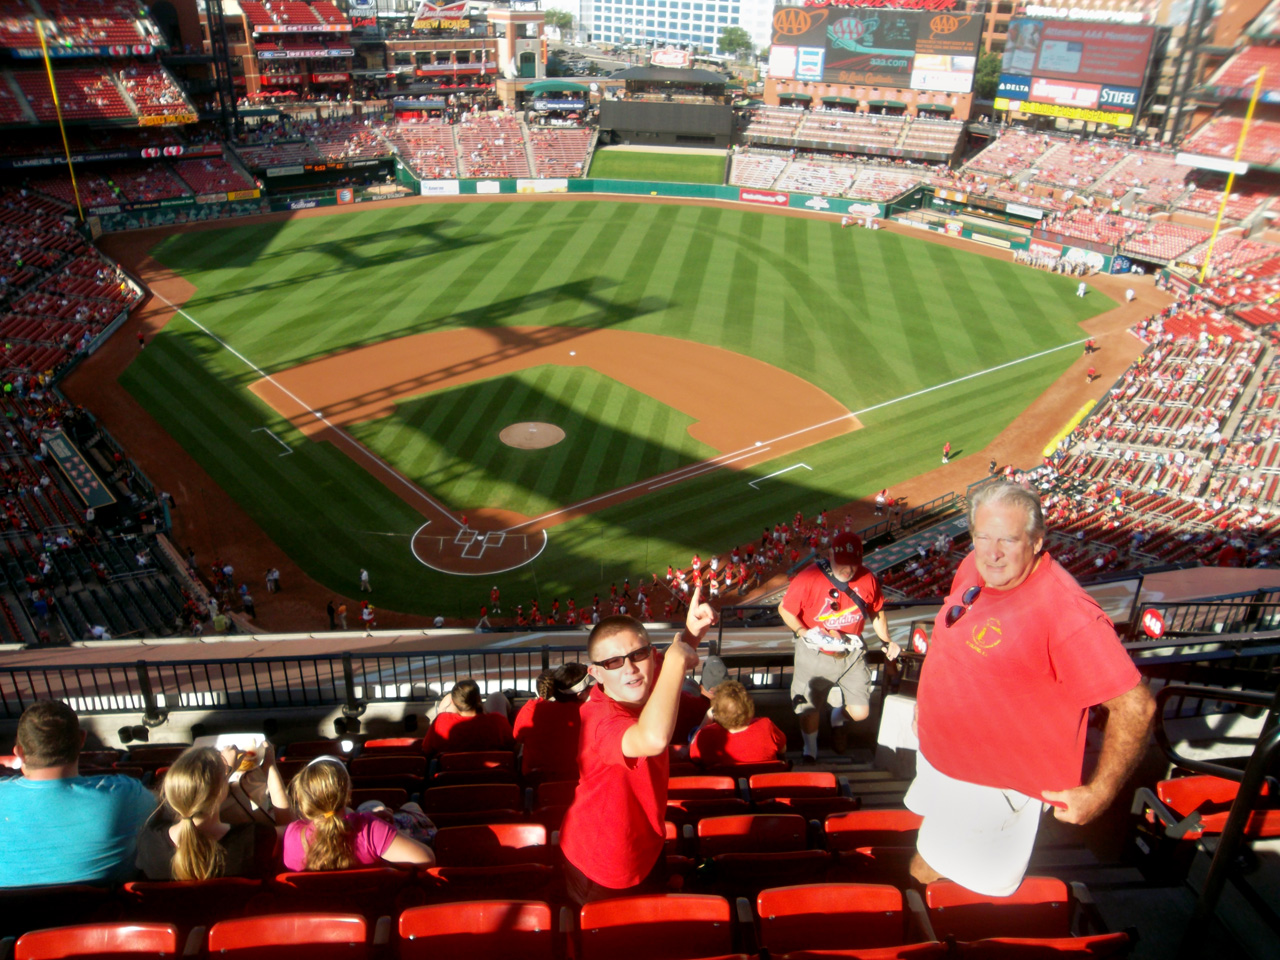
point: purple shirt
(372, 837)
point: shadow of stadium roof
(670, 75)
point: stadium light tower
(232, 125)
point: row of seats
(857, 920)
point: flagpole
(53, 88)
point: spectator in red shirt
(736, 735)
(462, 725)
(613, 833)
(547, 728)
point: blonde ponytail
(319, 793)
(193, 788)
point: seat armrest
(918, 916)
(6, 948)
(746, 933)
(192, 948)
(382, 932)
(1144, 798)
(566, 921)
(1087, 917)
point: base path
(774, 413)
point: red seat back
(907, 951)
(751, 833)
(491, 845)
(1040, 907)
(478, 929)
(479, 760)
(304, 936)
(872, 828)
(190, 903)
(701, 788)
(392, 747)
(1096, 946)
(554, 793)
(826, 916)
(98, 940)
(307, 749)
(768, 786)
(474, 798)
(672, 926)
(385, 766)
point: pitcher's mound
(531, 436)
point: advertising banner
(167, 119)
(82, 477)
(546, 105)
(1071, 113)
(768, 197)
(60, 52)
(560, 185)
(671, 57)
(488, 186)
(920, 49)
(302, 28)
(433, 16)
(330, 77)
(345, 195)
(440, 188)
(1042, 248)
(1104, 54)
(305, 53)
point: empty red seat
(370, 891)
(867, 828)
(672, 926)
(826, 916)
(813, 795)
(478, 930)
(304, 936)
(99, 940)
(1056, 948)
(1040, 907)
(473, 803)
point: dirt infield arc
(746, 410)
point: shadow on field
(430, 239)
(492, 317)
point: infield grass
(869, 317)
(669, 167)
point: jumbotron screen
(1082, 71)
(914, 49)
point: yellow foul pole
(53, 89)
(1231, 175)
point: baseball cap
(846, 548)
(714, 673)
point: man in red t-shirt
(613, 833)
(1019, 654)
(827, 607)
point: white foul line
(364, 451)
(685, 473)
(778, 473)
(267, 430)
(708, 467)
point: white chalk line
(778, 473)
(351, 441)
(706, 466)
(267, 430)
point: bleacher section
(212, 175)
(1220, 136)
(84, 93)
(428, 148)
(154, 92)
(492, 147)
(852, 133)
(560, 153)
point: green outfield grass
(670, 167)
(870, 317)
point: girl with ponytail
(329, 837)
(187, 838)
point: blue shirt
(73, 830)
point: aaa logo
(793, 21)
(985, 636)
(945, 24)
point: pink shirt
(372, 838)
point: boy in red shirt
(613, 834)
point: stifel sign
(886, 4)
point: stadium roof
(670, 75)
(555, 86)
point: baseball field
(599, 388)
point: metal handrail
(1251, 780)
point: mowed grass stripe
(821, 303)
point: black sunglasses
(960, 609)
(635, 656)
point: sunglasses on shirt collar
(960, 609)
(635, 656)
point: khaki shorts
(825, 681)
(980, 837)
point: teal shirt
(74, 830)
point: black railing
(1251, 780)
(1242, 613)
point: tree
(561, 20)
(735, 41)
(987, 76)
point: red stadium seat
(908, 951)
(474, 766)
(392, 746)
(1208, 799)
(813, 795)
(689, 799)
(824, 916)
(492, 845)
(474, 803)
(1040, 907)
(291, 936)
(371, 891)
(391, 797)
(672, 926)
(752, 833)
(99, 940)
(1057, 948)
(396, 772)
(478, 930)
(190, 903)
(870, 828)
(306, 749)
(745, 853)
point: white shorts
(980, 837)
